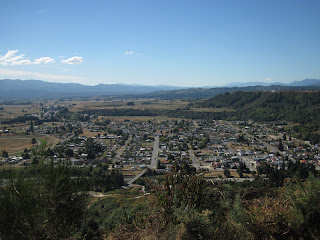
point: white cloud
(8, 55)
(10, 58)
(44, 60)
(24, 74)
(128, 52)
(73, 60)
(22, 62)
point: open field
(217, 173)
(147, 144)
(89, 134)
(120, 104)
(130, 172)
(16, 143)
(12, 111)
(15, 128)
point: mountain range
(19, 89)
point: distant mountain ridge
(19, 89)
(305, 82)
(41, 89)
(201, 93)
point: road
(242, 159)
(193, 158)
(154, 158)
(118, 155)
(195, 123)
(265, 144)
(136, 177)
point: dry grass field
(122, 104)
(89, 134)
(216, 173)
(16, 143)
(129, 172)
(12, 111)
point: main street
(265, 144)
(118, 155)
(242, 159)
(154, 158)
(193, 158)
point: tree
(25, 154)
(69, 153)
(31, 129)
(227, 173)
(280, 146)
(4, 154)
(284, 137)
(49, 205)
(33, 141)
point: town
(218, 149)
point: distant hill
(22, 89)
(41, 89)
(305, 82)
(201, 93)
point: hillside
(302, 107)
(201, 93)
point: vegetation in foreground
(52, 202)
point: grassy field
(217, 173)
(12, 111)
(88, 133)
(16, 143)
(16, 128)
(120, 104)
(147, 144)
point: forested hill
(202, 93)
(295, 106)
(301, 107)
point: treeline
(20, 119)
(16, 102)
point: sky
(160, 42)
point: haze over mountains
(18, 89)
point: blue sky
(174, 42)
